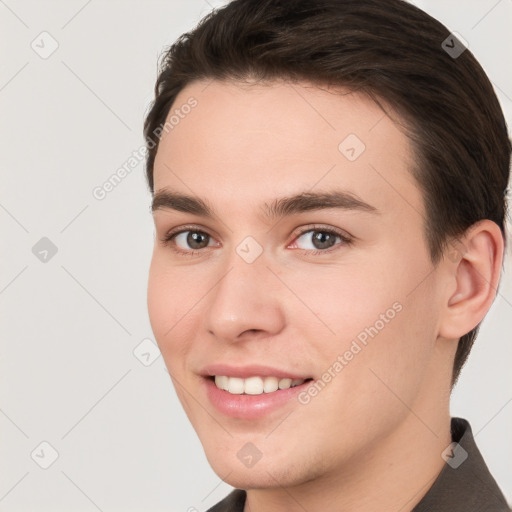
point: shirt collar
(465, 482)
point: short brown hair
(388, 49)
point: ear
(474, 267)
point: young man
(329, 182)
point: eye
(321, 240)
(187, 241)
(191, 241)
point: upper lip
(244, 372)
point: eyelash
(169, 237)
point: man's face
(357, 320)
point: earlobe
(475, 272)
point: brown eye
(321, 239)
(187, 241)
(193, 239)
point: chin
(255, 478)
(267, 473)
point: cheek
(170, 308)
(161, 304)
(374, 315)
(344, 302)
(170, 301)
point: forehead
(243, 144)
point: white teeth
(254, 385)
(270, 384)
(285, 383)
(235, 386)
(222, 382)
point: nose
(246, 302)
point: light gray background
(70, 326)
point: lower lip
(250, 407)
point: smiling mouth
(254, 385)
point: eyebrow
(278, 208)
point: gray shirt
(463, 485)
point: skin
(372, 438)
